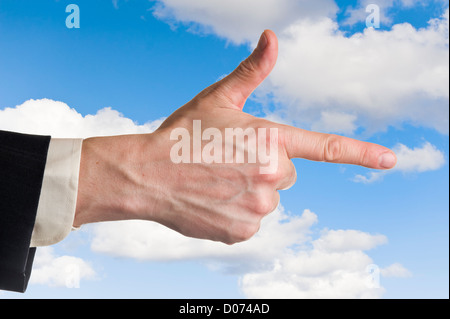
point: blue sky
(145, 59)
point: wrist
(113, 171)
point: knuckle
(247, 231)
(293, 174)
(365, 157)
(290, 173)
(290, 182)
(246, 67)
(242, 231)
(272, 178)
(332, 149)
(261, 207)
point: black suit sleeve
(22, 164)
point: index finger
(332, 148)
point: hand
(136, 177)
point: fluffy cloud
(395, 270)
(327, 80)
(48, 117)
(335, 122)
(347, 240)
(59, 271)
(336, 267)
(240, 21)
(415, 160)
(358, 12)
(370, 80)
(314, 275)
(281, 261)
(281, 231)
(425, 158)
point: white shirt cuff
(58, 199)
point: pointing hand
(182, 176)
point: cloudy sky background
(340, 232)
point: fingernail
(262, 43)
(387, 160)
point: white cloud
(423, 159)
(336, 267)
(358, 12)
(321, 275)
(313, 275)
(395, 270)
(281, 261)
(327, 80)
(48, 117)
(151, 241)
(335, 122)
(240, 21)
(416, 160)
(59, 271)
(347, 240)
(370, 178)
(371, 80)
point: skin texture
(133, 176)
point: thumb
(241, 83)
